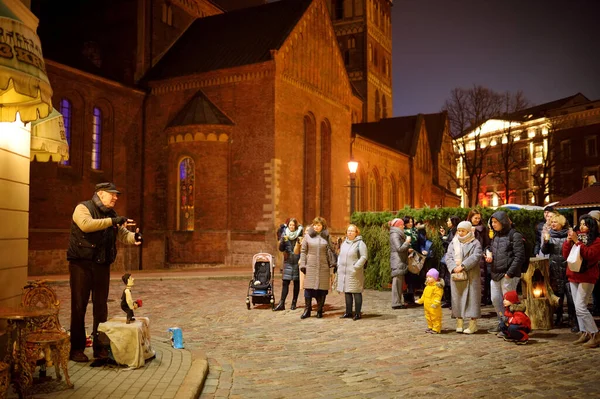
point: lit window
(97, 139)
(186, 195)
(65, 110)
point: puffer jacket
(558, 264)
(290, 265)
(507, 257)
(352, 257)
(314, 258)
(398, 252)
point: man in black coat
(95, 229)
(506, 257)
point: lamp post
(352, 167)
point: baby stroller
(260, 288)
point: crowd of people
(481, 265)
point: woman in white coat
(350, 270)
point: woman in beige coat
(350, 271)
(316, 257)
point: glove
(303, 270)
(138, 237)
(139, 303)
(119, 220)
(433, 306)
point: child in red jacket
(517, 324)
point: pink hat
(396, 223)
(433, 273)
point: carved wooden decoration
(538, 295)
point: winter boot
(583, 338)
(280, 306)
(472, 329)
(594, 341)
(459, 325)
(559, 319)
(320, 304)
(293, 307)
(307, 306)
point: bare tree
(509, 160)
(467, 110)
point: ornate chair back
(38, 295)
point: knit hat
(434, 274)
(512, 297)
(465, 225)
(396, 223)
(595, 215)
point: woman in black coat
(447, 237)
(287, 242)
(552, 243)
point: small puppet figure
(127, 303)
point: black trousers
(87, 277)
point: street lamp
(352, 167)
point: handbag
(574, 259)
(460, 276)
(415, 262)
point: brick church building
(218, 122)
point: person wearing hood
(292, 234)
(316, 258)
(464, 254)
(506, 257)
(542, 229)
(552, 243)
(399, 250)
(350, 271)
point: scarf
(98, 202)
(457, 241)
(292, 235)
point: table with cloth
(129, 343)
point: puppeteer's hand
(119, 220)
(138, 237)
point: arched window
(325, 210)
(97, 139)
(310, 168)
(402, 195)
(384, 113)
(167, 14)
(186, 195)
(66, 109)
(388, 196)
(351, 42)
(370, 53)
(372, 192)
(377, 106)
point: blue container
(176, 337)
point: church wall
(245, 95)
(56, 189)
(423, 171)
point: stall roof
(587, 198)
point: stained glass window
(97, 139)
(186, 195)
(65, 110)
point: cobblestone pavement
(259, 353)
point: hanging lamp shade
(24, 85)
(48, 139)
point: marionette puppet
(127, 303)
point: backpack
(528, 249)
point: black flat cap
(108, 187)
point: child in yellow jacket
(432, 300)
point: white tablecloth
(129, 343)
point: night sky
(549, 49)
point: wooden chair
(45, 340)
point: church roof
(399, 133)
(436, 126)
(200, 111)
(232, 39)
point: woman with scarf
(316, 258)
(582, 282)
(552, 243)
(464, 255)
(291, 237)
(350, 272)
